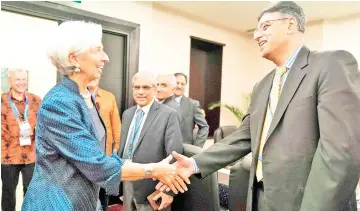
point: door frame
(57, 12)
(207, 46)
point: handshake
(173, 176)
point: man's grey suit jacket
(159, 136)
(189, 111)
(191, 115)
(311, 156)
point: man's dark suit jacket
(189, 111)
(311, 156)
(191, 115)
(159, 136)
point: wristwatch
(148, 170)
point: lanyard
(16, 111)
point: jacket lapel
(184, 106)
(291, 85)
(149, 119)
(125, 128)
(168, 99)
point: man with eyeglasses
(150, 132)
(301, 126)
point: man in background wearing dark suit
(191, 114)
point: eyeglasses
(265, 25)
(144, 88)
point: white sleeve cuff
(196, 168)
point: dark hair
(288, 8)
(181, 74)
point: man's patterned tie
(273, 101)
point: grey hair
(288, 8)
(148, 75)
(11, 71)
(170, 77)
(72, 37)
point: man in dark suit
(301, 126)
(191, 113)
(150, 132)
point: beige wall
(342, 34)
(335, 34)
(314, 35)
(22, 44)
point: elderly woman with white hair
(71, 166)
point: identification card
(25, 133)
(25, 141)
(25, 129)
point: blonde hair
(72, 37)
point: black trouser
(104, 199)
(258, 197)
(10, 179)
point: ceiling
(242, 15)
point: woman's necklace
(86, 95)
(87, 98)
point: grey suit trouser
(130, 203)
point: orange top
(11, 151)
(109, 112)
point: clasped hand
(182, 169)
(168, 175)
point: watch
(148, 170)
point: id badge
(25, 141)
(25, 129)
(25, 134)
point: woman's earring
(77, 68)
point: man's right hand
(184, 168)
(167, 174)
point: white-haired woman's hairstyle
(11, 71)
(72, 37)
(148, 75)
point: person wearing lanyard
(18, 119)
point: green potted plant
(239, 114)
